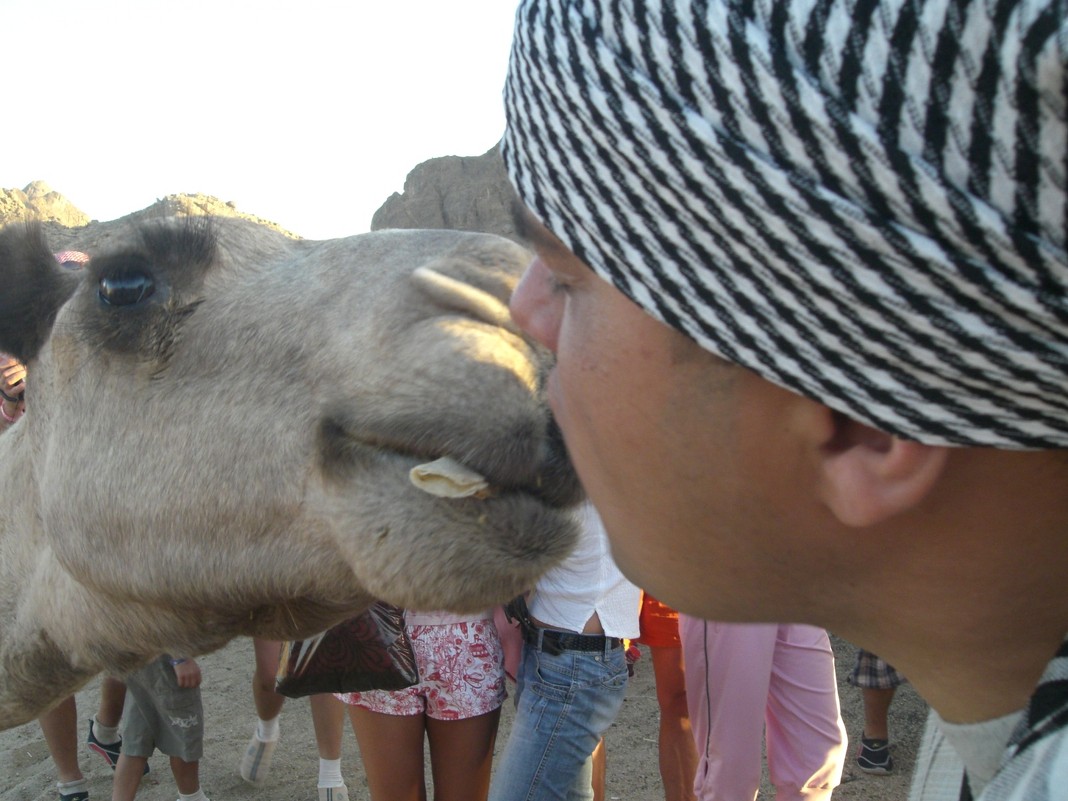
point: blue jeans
(564, 705)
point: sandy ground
(26, 772)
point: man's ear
(868, 476)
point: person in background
(103, 737)
(12, 387)
(804, 267)
(573, 674)
(13, 372)
(455, 707)
(59, 726)
(163, 711)
(328, 720)
(747, 683)
(659, 626)
(878, 682)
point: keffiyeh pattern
(863, 201)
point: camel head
(221, 428)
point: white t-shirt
(588, 581)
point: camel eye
(126, 290)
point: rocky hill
(468, 193)
(40, 201)
(66, 226)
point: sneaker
(110, 751)
(256, 762)
(334, 793)
(874, 756)
(73, 791)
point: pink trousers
(741, 677)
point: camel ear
(34, 288)
(868, 476)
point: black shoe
(73, 791)
(110, 751)
(874, 757)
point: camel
(221, 428)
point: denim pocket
(615, 678)
(555, 675)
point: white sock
(267, 730)
(105, 734)
(330, 773)
(197, 796)
(72, 787)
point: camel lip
(552, 479)
(340, 448)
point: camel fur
(220, 425)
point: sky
(308, 113)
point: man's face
(672, 443)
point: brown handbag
(370, 651)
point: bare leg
(255, 765)
(876, 712)
(392, 751)
(103, 736)
(461, 755)
(328, 718)
(128, 773)
(186, 775)
(59, 726)
(268, 702)
(600, 770)
(112, 697)
(677, 752)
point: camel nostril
(126, 290)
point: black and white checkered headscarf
(863, 201)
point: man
(572, 675)
(803, 266)
(770, 688)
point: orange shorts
(659, 624)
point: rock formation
(63, 222)
(467, 193)
(39, 200)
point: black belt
(555, 642)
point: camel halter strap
(863, 201)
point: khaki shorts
(161, 715)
